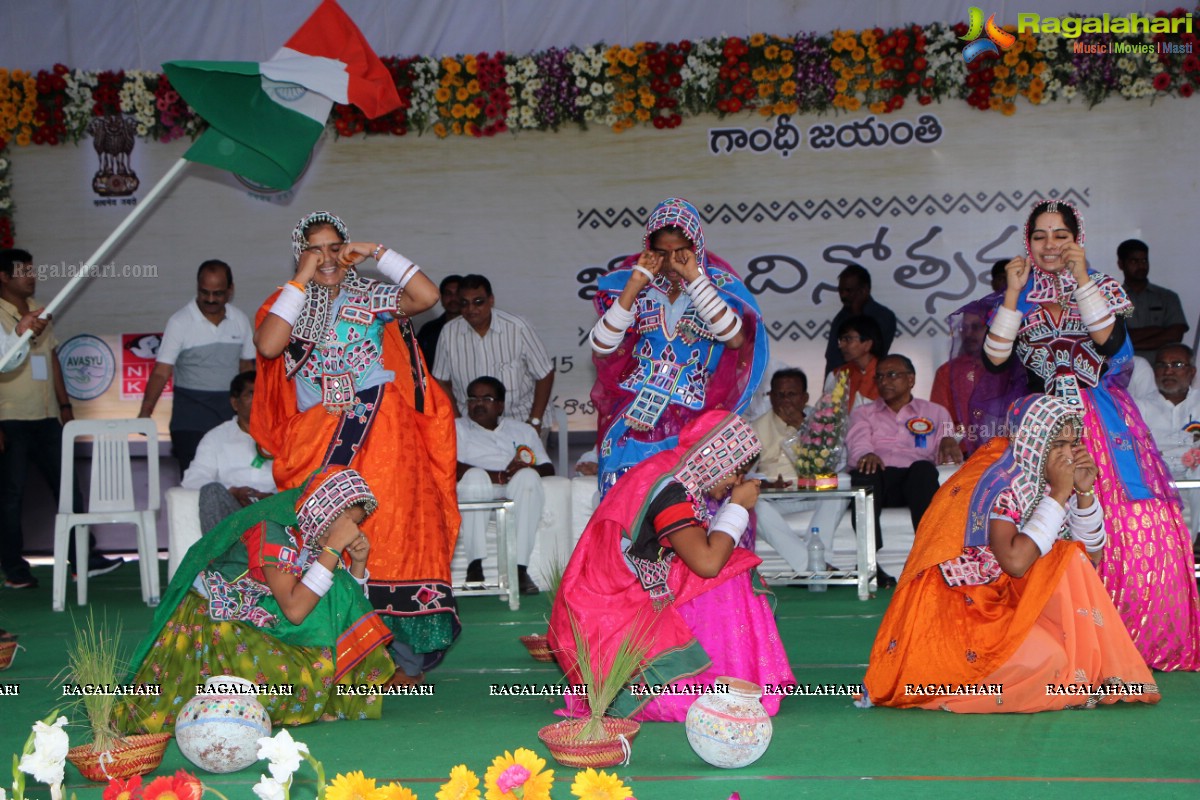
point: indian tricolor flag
(263, 119)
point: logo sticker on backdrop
(139, 351)
(997, 38)
(88, 366)
(786, 137)
(115, 181)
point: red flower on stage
(118, 789)
(180, 786)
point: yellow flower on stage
(642, 115)
(463, 785)
(1001, 71)
(470, 65)
(394, 791)
(450, 65)
(1011, 58)
(1023, 68)
(458, 111)
(785, 55)
(853, 104)
(352, 786)
(878, 107)
(592, 785)
(841, 85)
(786, 71)
(628, 57)
(787, 88)
(442, 95)
(521, 769)
(770, 52)
(758, 40)
(858, 54)
(440, 131)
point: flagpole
(102, 251)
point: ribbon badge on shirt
(525, 455)
(1193, 428)
(261, 457)
(920, 428)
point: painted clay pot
(729, 728)
(219, 730)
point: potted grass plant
(93, 674)
(598, 740)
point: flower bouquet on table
(818, 447)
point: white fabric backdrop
(141, 34)
(540, 213)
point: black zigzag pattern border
(816, 331)
(842, 208)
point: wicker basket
(538, 645)
(133, 755)
(561, 739)
(8, 649)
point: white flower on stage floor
(284, 754)
(48, 758)
(267, 789)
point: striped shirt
(510, 352)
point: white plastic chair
(111, 500)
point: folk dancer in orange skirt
(341, 380)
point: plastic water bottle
(816, 560)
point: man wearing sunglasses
(487, 341)
(895, 443)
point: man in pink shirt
(894, 444)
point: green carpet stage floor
(823, 746)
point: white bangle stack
(289, 304)
(1045, 523)
(610, 329)
(397, 268)
(1087, 525)
(318, 579)
(1093, 307)
(710, 306)
(731, 520)
(1002, 333)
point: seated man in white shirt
(499, 457)
(1172, 412)
(230, 469)
(789, 401)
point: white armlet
(1006, 323)
(1045, 523)
(731, 520)
(397, 268)
(610, 329)
(318, 578)
(289, 304)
